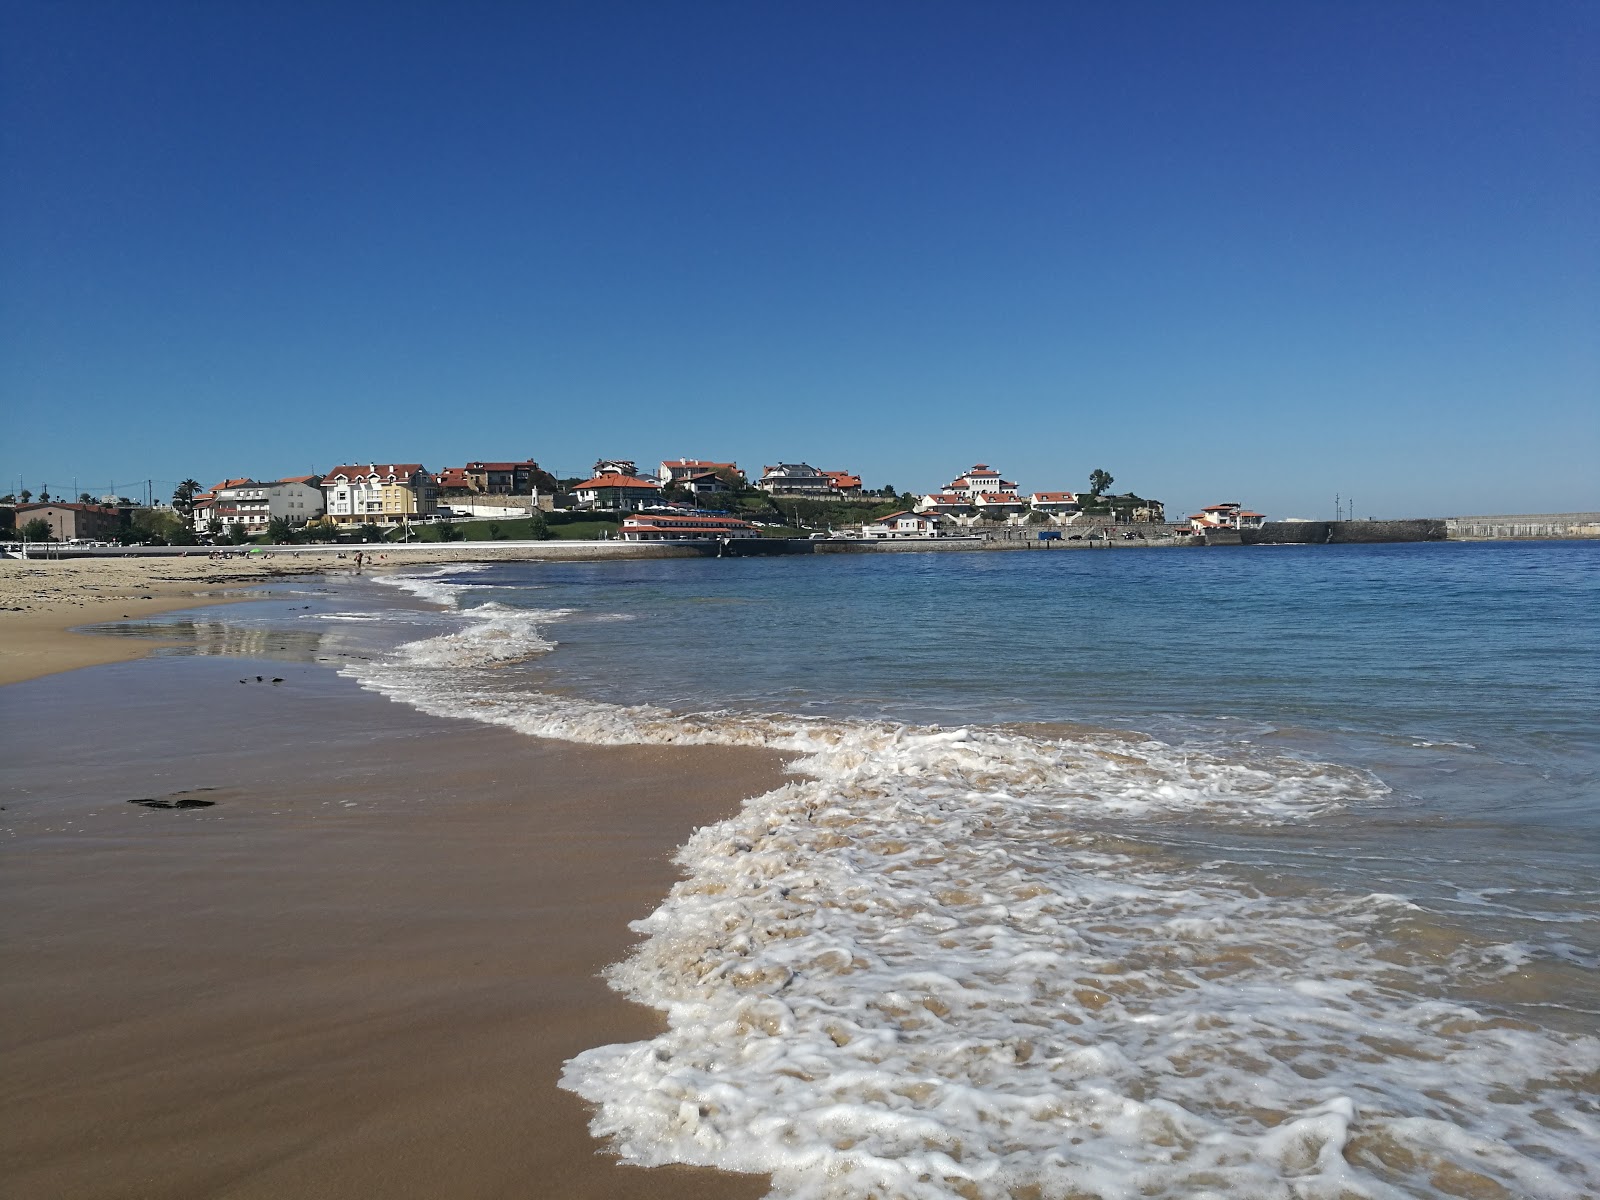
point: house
(796, 479)
(684, 527)
(388, 493)
(943, 503)
(497, 478)
(981, 480)
(253, 503)
(1055, 504)
(676, 470)
(1226, 516)
(999, 506)
(89, 522)
(902, 525)
(705, 483)
(612, 490)
(617, 466)
(845, 484)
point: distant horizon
(1241, 251)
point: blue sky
(1255, 251)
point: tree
(156, 526)
(371, 533)
(26, 495)
(280, 530)
(538, 527)
(85, 498)
(1099, 481)
(183, 497)
(44, 494)
(214, 528)
(238, 534)
(38, 530)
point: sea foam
(947, 963)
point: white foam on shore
(943, 962)
(434, 586)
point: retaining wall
(1322, 533)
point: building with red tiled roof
(1055, 504)
(617, 492)
(980, 479)
(675, 470)
(252, 503)
(1226, 516)
(498, 478)
(903, 525)
(379, 493)
(684, 527)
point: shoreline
(358, 971)
(42, 602)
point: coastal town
(675, 500)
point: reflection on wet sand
(211, 638)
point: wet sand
(357, 973)
(42, 601)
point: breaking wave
(952, 963)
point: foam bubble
(946, 962)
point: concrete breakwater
(1536, 525)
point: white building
(684, 527)
(382, 494)
(981, 480)
(1055, 504)
(681, 470)
(902, 525)
(252, 503)
(1226, 516)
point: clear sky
(1227, 251)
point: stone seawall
(1325, 533)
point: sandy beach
(41, 601)
(355, 966)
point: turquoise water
(1228, 872)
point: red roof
(400, 470)
(670, 521)
(89, 508)
(1056, 497)
(843, 479)
(300, 479)
(698, 462)
(1219, 507)
(500, 466)
(228, 483)
(614, 481)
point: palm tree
(183, 496)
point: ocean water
(1263, 872)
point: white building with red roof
(614, 491)
(1226, 516)
(907, 524)
(252, 502)
(680, 470)
(1055, 504)
(684, 527)
(379, 493)
(980, 480)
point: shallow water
(1262, 872)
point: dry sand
(357, 973)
